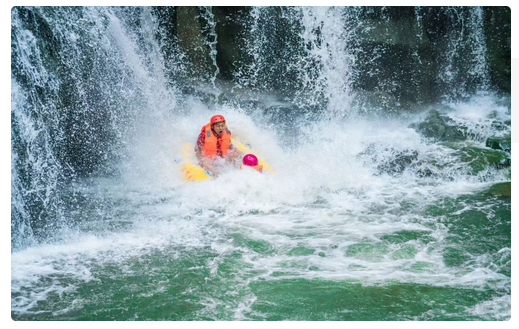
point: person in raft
(214, 145)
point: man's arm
(198, 147)
(198, 153)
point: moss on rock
(501, 189)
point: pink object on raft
(250, 160)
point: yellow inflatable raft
(192, 172)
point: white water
(321, 197)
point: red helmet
(217, 118)
(250, 160)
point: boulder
(390, 160)
(479, 159)
(501, 189)
(399, 162)
(440, 127)
(500, 143)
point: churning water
(383, 205)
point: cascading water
(307, 45)
(388, 128)
(465, 68)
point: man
(214, 144)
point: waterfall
(301, 53)
(90, 84)
(84, 79)
(462, 62)
(348, 59)
(211, 41)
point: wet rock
(500, 143)
(389, 160)
(498, 41)
(230, 30)
(399, 163)
(501, 126)
(191, 40)
(403, 31)
(479, 159)
(440, 127)
(501, 189)
(426, 172)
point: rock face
(404, 57)
(498, 40)
(190, 39)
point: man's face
(219, 127)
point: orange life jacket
(258, 168)
(210, 146)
